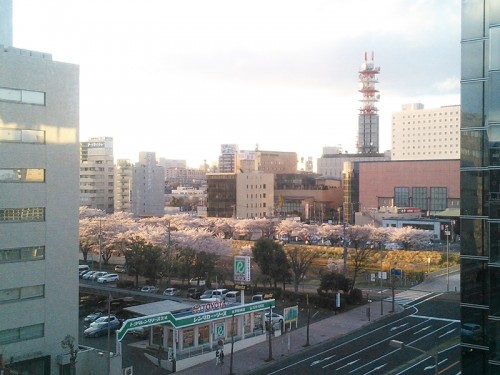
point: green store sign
(186, 321)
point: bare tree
(68, 343)
(300, 259)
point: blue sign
(395, 272)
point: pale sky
(182, 77)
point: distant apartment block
(276, 161)
(97, 174)
(148, 186)
(227, 158)
(426, 134)
(123, 185)
(39, 126)
(240, 195)
(172, 163)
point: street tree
(186, 262)
(272, 260)
(204, 265)
(334, 282)
(134, 256)
(300, 259)
(361, 252)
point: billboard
(241, 269)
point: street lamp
(401, 345)
(447, 233)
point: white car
(196, 281)
(108, 278)
(171, 292)
(275, 318)
(96, 275)
(149, 289)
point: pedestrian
(221, 356)
(217, 357)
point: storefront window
(203, 335)
(188, 338)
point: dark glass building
(480, 187)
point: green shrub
(127, 284)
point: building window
(22, 175)
(22, 96)
(9, 336)
(401, 196)
(438, 198)
(22, 293)
(22, 135)
(22, 214)
(22, 254)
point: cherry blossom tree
(410, 237)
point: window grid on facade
(21, 293)
(9, 336)
(22, 214)
(419, 197)
(8, 135)
(22, 175)
(438, 198)
(401, 196)
(22, 254)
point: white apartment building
(97, 174)
(148, 186)
(39, 145)
(426, 134)
(123, 185)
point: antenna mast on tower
(368, 123)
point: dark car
(193, 293)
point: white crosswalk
(408, 296)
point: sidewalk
(254, 358)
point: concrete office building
(97, 174)
(39, 120)
(148, 186)
(480, 187)
(331, 163)
(426, 134)
(123, 186)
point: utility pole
(169, 254)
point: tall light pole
(344, 242)
(447, 233)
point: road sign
(241, 287)
(395, 272)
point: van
(83, 267)
(233, 296)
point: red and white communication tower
(368, 134)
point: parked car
(100, 326)
(108, 278)
(172, 292)
(233, 296)
(207, 294)
(140, 332)
(149, 289)
(120, 268)
(105, 319)
(261, 297)
(88, 275)
(197, 281)
(98, 274)
(193, 293)
(275, 319)
(82, 273)
(83, 267)
(220, 293)
(93, 316)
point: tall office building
(97, 174)
(39, 120)
(426, 134)
(480, 187)
(368, 119)
(227, 158)
(148, 186)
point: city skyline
(180, 78)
